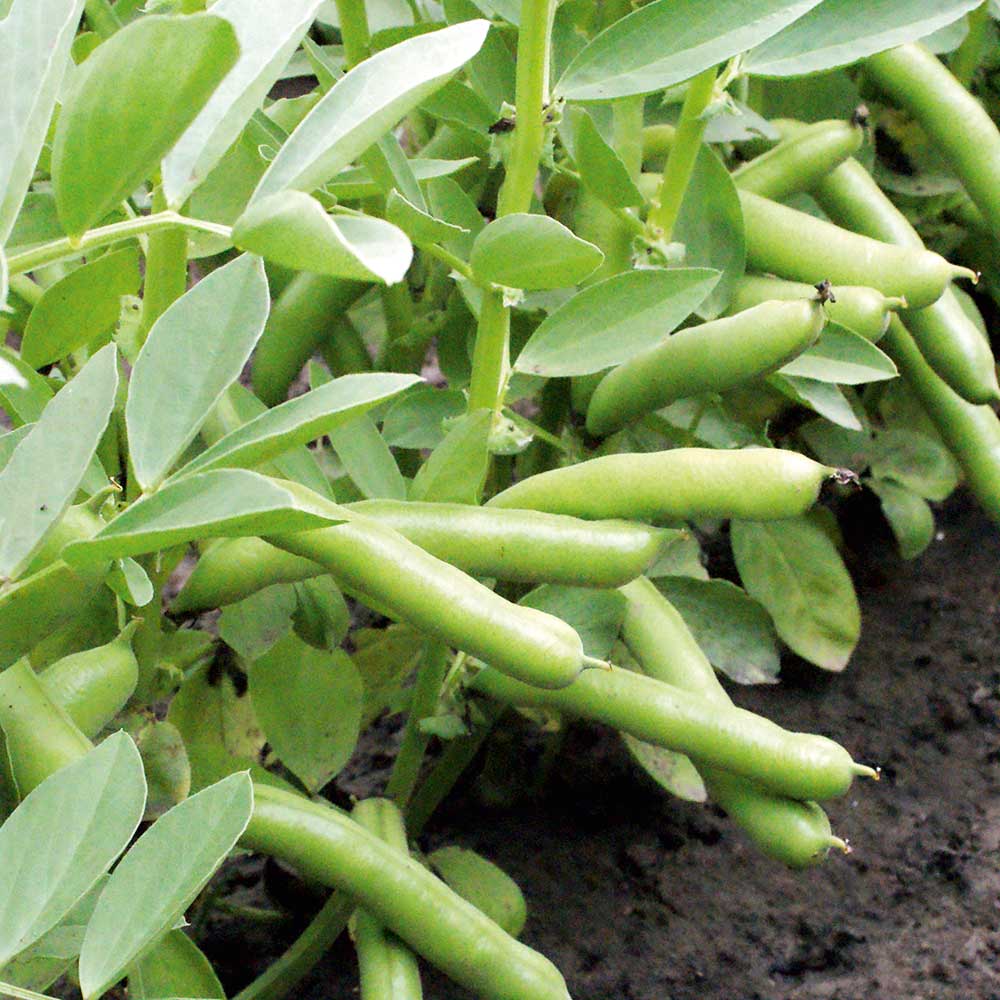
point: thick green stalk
(166, 270)
(491, 356)
(354, 31)
(683, 153)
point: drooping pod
(712, 357)
(751, 483)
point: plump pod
(388, 969)
(795, 833)
(92, 687)
(958, 125)
(328, 846)
(865, 311)
(797, 765)
(711, 357)
(758, 484)
(797, 163)
(947, 337)
(383, 567)
(792, 244)
(40, 737)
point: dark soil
(637, 896)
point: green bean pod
(947, 337)
(793, 244)
(711, 357)
(865, 311)
(300, 319)
(40, 737)
(388, 968)
(328, 846)
(92, 687)
(795, 833)
(957, 124)
(796, 164)
(796, 765)
(388, 570)
(971, 432)
(757, 484)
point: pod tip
(958, 271)
(864, 771)
(128, 633)
(594, 663)
(845, 477)
(841, 844)
(895, 303)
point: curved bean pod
(711, 357)
(753, 483)
(792, 244)
(326, 845)
(797, 765)
(865, 311)
(795, 833)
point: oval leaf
(160, 876)
(673, 772)
(308, 702)
(47, 467)
(174, 967)
(268, 34)
(838, 32)
(601, 168)
(363, 105)
(300, 420)
(132, 101)
(79, 307)
(607, 323)
(909, 515)
(223, 503)
(795, 571)
(291, 228)
(844, 357)
(194, 351)
(64, 836)
(670, 41)
(418, 224)
(532, 252)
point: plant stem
(491, 355)
(449, 259)
(166, 270)
(354, 31)
(683, 153)
(27, 289)
(426, 691)
(283, 975)
(102, 18)
(93, 239)
(965, 61)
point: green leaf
(42, 476)
(194, 351)
(821, 397)
(597, 615)
(842, 356)
(79, 307)
(795, 571)
(735, 632)
(367, 459)
(909, 515)
(456, 470)
(138, 904)
(710, 225)
(35, 39)
(291, 228)
(63, 837)
(363, 105)
(4, 282)
(532, 252)
(223, 503)
(420, 226)
(9, 441)
(252, 626)
(130, 102)
(607, 323)
(672, 771)
(601, 169)
(267, 34)
(485, 885)
(321, 617)
(916, 461)
(308, 702)
(164, 759)
(670, 41)
(131, 583)
(23, 392)
(355, 183)
(416, 419)
(300, 420)
(838, 32)
(174, 967)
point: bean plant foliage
(449, 361)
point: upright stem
(491, 357)
(354, 32)
(166, 270)
(683, 153)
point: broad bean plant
(400, 357)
